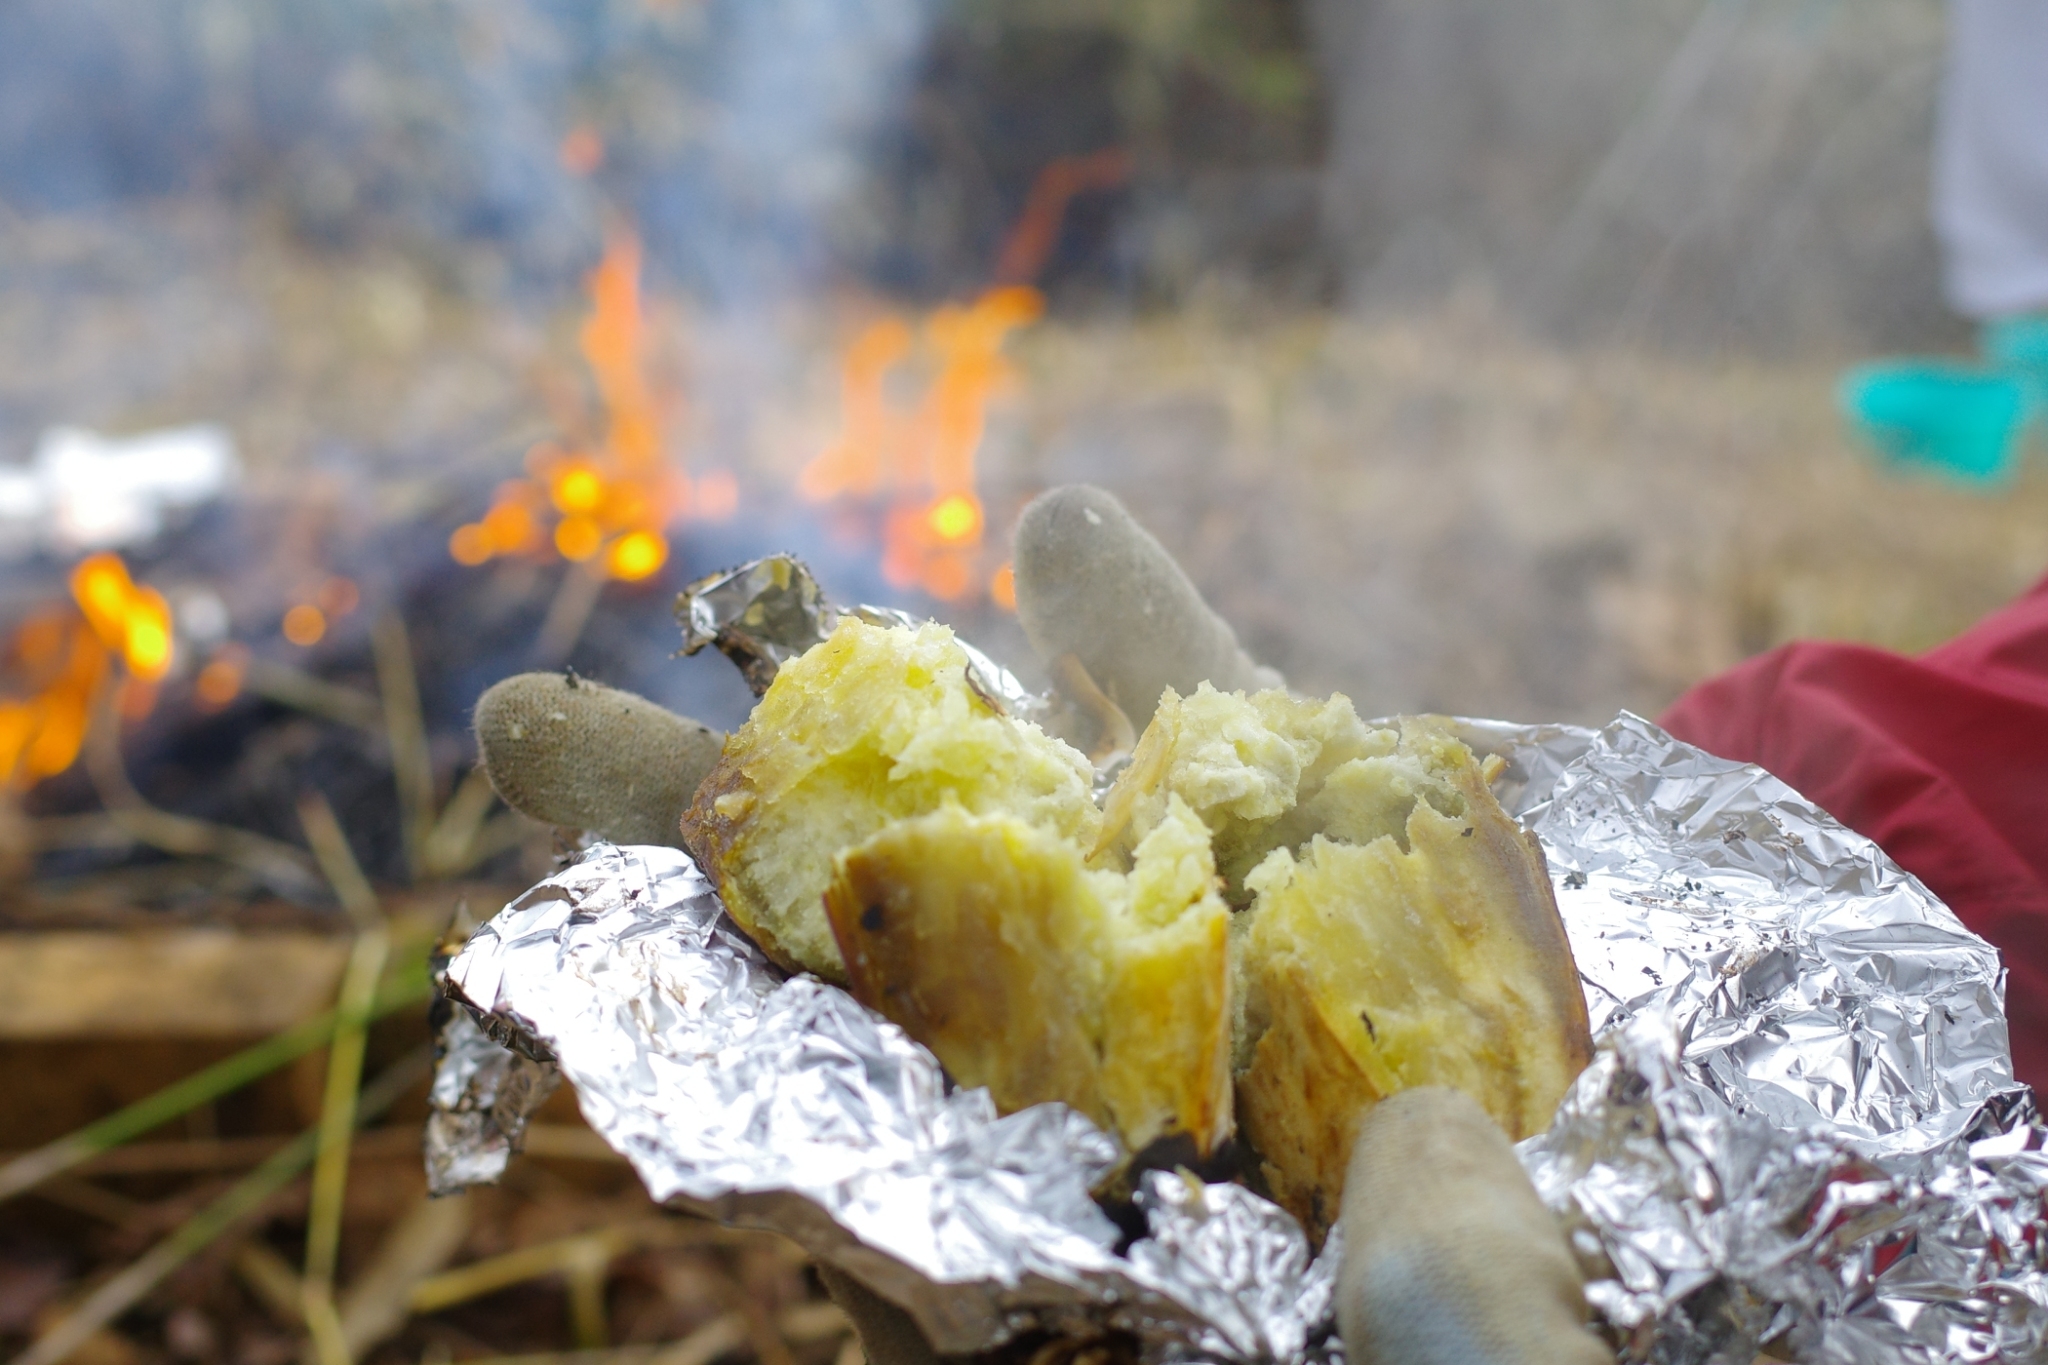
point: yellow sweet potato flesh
(1023, 971)
(1435, 958)
(879, 822)
(1255, 768)
(876, 724)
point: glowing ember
(611, 505)
(220, 682)
(635, 555)
(305, 625)
(135, 621)
(578, 538)
(955, 518)
(60, 658)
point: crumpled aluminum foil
(1802, 1130)
(482, 1098)
(757, 615)
(1800, 1133)
(1708, 1231)
(1807, 975)
(777, 1101)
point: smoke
(731, 128)
(1710, 173)
(805, 84)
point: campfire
(258, 719)
(607, 500)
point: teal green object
(1951, 417)
(2019, 346)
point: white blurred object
(202, 617)
(85, 491)
(21, 511)
(1991, 158)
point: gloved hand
(568, 751)
(1094, 589)
(1450, 1258)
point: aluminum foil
(482, 1098)
(757, 615)
(780, 1102)
(1801, 1131)
(1709, 1232)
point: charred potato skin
(711, 836)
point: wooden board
(187, 982)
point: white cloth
(1991, 158)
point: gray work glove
(568, 751)
(1450, 1258)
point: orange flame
(923, 459)
(1037, 229)
(62, 653)
(853, 464)
(610, 505)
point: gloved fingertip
(1094, 584)
(568, 751)
(1450, 1257)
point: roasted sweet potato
(987, 939)
(876, 724)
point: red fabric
(1942, 760)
